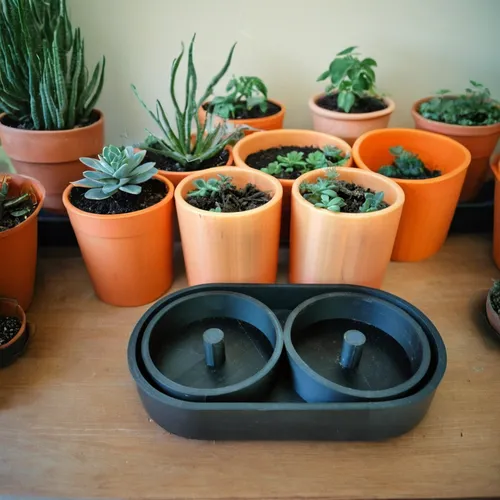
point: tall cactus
(44, 82)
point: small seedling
(20, 207)
(407, 165)
(244, 94)
(293, 161)
(373, 202)
(210, 187)
(333, 204)
(323, 192)
(353, 78)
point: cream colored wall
(420, 46)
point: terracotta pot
(128, 256)
(349, 126)
(18, 248)
(495, 167)
(493, 318)
(327, 247)
(230, 247)
(480, 141)
(430, 203)
(52, 157)
(10, 351)
(272, 122)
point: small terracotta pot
(430, 203)
(272, 122)
(349, 126)
(493, 318)
(18, 248)
(355, 249)
(495, 167)
(480, 141)
(176, 177)
(52, 157)
(15, 347)
(128, 256)
(230, 247)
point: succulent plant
(117, 169)
(407, 165)
(210, 187)
(19, 207)
(373, 202)
(44, 82)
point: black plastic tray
(285, 416)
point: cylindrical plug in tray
(215, 349)
(352, 349)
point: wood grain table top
(72, 425)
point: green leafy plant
(177, 144)
(407, 165)
(211, 186)
(244, 94)
(118, 169)
(353, 78)
(44, 82)
(21, 206)
(474, 108)
(373, 202)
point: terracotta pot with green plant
(21, 199)
(179, 152)
(246, 103)
(121, 212)
(472, 119)
(47, 95)
(350, 105)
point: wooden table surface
(72, 425)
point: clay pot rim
(22, 316)
(20, 131)
(167, 199)
(253, 121)
(336, 115)
(450, 129)
(40, 191)
(411, 131)
(400, 195)
(495, 167)
(277, 196)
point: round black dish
(184, 338)
(394, 359)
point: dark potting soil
(9, 122)
(164, 163)
(153, 191)
(231, 199)
(8, 221)
(363, 105)
(495, 300)
(261, 159)
(354, 197)
(9, 327)
(255, 112)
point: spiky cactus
(44, 82)
(116, 170)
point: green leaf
(131, 189)
(96, 194)
(368, 61)
(347, 51)
(323, 76)
(339, 69)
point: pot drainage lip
(211, 345)
(331, 378)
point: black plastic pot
(348, 346)
(215, 346)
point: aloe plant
(44, 82)
(176, 143)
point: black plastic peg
(215, 349)
(352, 349)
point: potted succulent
(13, 331)
(431, 169)
(46, 95)
(21, 199)
(493, 306)
(472, 119)
(344, 224)
(350, 106)
(229, 221)
(121, 212)
(180, 152)
(246, 103)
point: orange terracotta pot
(495, 167)
(349, 126)
(430, 203)
(327, 247)
(18, 248)
(480, 141)
(230, 247)
(272, 122)
(52, 157)
(128, 256)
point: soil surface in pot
(10, 221)
(153, 191)
(9, 122)
(261, 159)
(9, 327)
(230, 199)
(247, 114)
(169, 165)
(363, 105)
(495, 299)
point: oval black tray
(284, 415)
